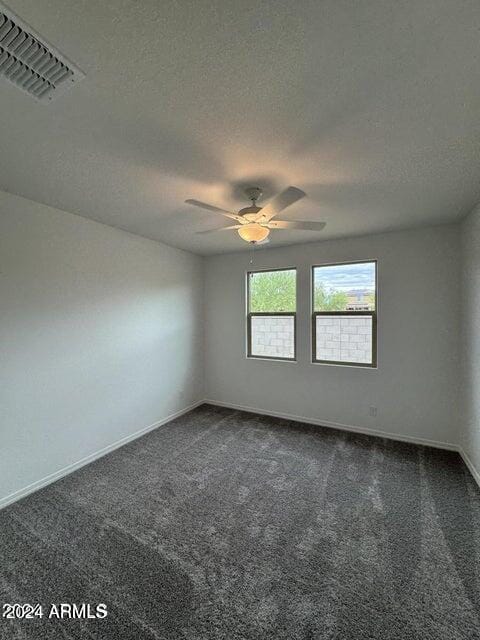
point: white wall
(415, 385)
(470, 395)
(101, 335)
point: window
(344, 318)
(271, 314)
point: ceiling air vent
(30, 62)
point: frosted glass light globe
(253, 232)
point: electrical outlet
(372, 411)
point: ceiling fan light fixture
(253, 232)
(254, 223)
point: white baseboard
(448, 446)
(337, 425)
(470, 466)
(56, 475)
(43, 482)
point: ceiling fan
(255, 223)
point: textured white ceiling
(372, 107)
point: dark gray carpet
(224, 524)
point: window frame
(373, 314)
(251, 314)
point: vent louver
(30, 62)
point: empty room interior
(240, 320)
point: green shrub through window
(272, 291)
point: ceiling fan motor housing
(249, 213)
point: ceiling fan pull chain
(253, 252)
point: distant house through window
(344, 314)
(271, 314)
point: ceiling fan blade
(209, 207)
(233, 226)
(295, 224)
(279, 203)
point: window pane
(273, 336)
(344, 287)
(344, 338)
(272, 291)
